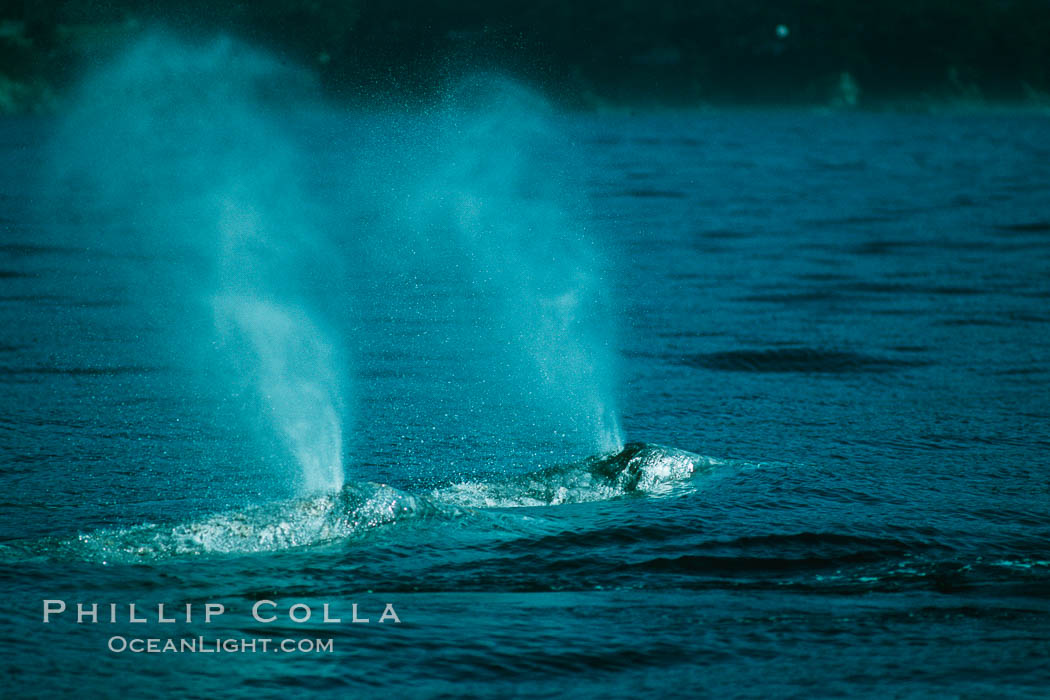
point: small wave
(649, 193)
(849, 221)
(60, 300)
(113, 371)
(1026, 227)
(899, 289)
(33, 249)
(815, 295)
(803, 360)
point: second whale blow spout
(639, 468)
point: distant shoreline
(585, 55)
(18, 99)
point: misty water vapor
(458, 236)
(512, 207)
(187, 145)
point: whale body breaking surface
(639, 468)
(359, 509)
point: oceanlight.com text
(228, 645)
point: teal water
(844, 314)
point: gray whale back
(642, 468)
(361, 508)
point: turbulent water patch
(352, 512)
(360, 509)
(638, 469)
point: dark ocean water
(849, 314)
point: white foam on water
(363, 509)
(641, 469)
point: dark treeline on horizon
(585, 52)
